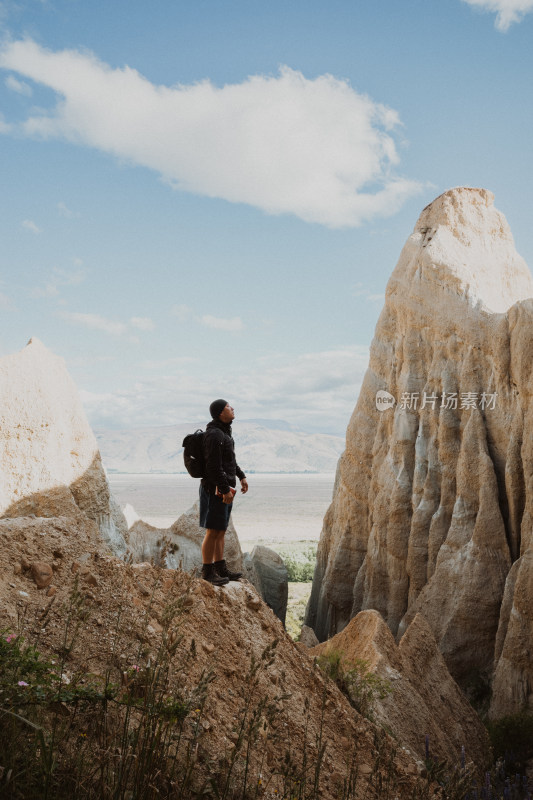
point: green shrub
(355, 680)
(84, 736)
(300, 563)
(142, 737)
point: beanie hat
(217, 407)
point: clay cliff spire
(432, 504)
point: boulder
(188, 527)
(250, 571)
(308, 636)
(49, 458)
(163, 547)
(42, 574)
(424, 700)
(179, 545)
(272, 579)
(432, 507)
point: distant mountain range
(261, 446)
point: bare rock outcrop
(49, 457)
(179, 546)
(424, 698)
(432, 508)
(221, 631)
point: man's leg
(220, 564)
(219, 546)
(209, 545)
(213, 546)
(209, 511)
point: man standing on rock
(217, 490)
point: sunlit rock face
(423, 696)
(49, 459)
(432, 507)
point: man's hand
(228, 498)
(244, 486)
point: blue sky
(207, 199)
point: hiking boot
(210, 574)
(223, 571)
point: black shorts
(214, 513)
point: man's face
(227, 414)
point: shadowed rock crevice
(514, 490)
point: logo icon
(384, 400)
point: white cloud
(48, 290)
(113, 327)
(71, 277)
(65, 211)
(508, 11)
(143, 323)
(75, 362)
(316, 148)
(18, 86)
(314, 391)
(95, 321)
(182, 312)
(6, 304)
(221, 324)
(168, 363)
(359, 290)
(61, 277)
(30, 225)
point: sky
(206, 199)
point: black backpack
(193, 454)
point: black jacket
(221, 467)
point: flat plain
(277, 508)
